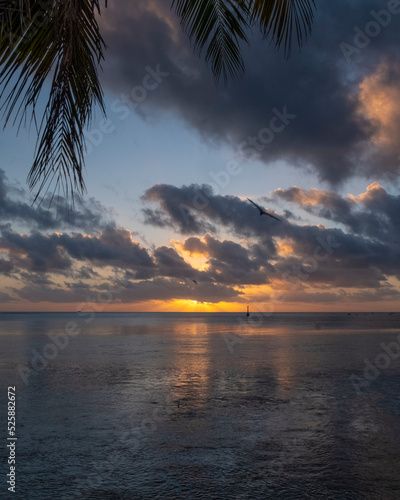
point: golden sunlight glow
(197, 260)
(257, 293)
(379, 102)
(311, 196)
(183, 305)
(284, 247)
(372, 190)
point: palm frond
(283, 20)
(13, 17)
(62, 39)
(220, 25)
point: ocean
(201, 406)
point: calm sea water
(176, 406)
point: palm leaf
(61, 39)
(13, 16)
(283, 20)
(220, 25)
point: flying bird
(195, 282)
(262, 211)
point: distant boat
(248, 313)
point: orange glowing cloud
(284, 247)
(373, 190)
(301, 196)
(193, 246)
(194, 254)
(379, 99)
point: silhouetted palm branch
(283, 19)
(220, 26)
(61, 39)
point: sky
(165, 224)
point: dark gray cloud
(85, 273)
(319, 85)
(36, 278)
(373, 214)
(55, 294)
(170, 289)
(364, 257)
(112, 247)
(35, 252)
(180, 213)
(230, 262)
(126, 291)
(195, 209)
(86, 215)
(57, 252)
(5, 297)
(5, 266)
(236, 246)
(171, 264)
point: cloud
(363, 253)
(196, 209)
(230, 262)
(57, 252)
(86, 273)
(5, 266)
(36, 278)
(372, 214)
(318, 85)
(35, 253)
(127, 292)
(5, 297)
(87, 215)
(112, 247)
(230, 250)
(379, 101)
(180, 213)
(172, 289)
